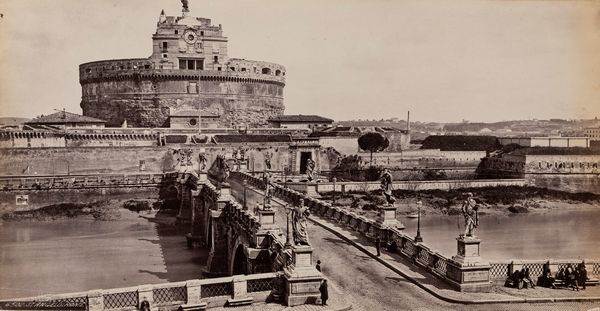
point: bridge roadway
(369, 284)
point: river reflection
(553, 234)
(71, 255)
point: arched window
(277, 72)
(266, 71)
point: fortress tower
(189, 69)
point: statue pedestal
(311, 189)
(467, 271)
(302, 278)
(387, 217)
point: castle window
(277, 72)
(232, 68)
(243, 69)
(202, 33)
(266, 71)
(191, 64)
(164, 55)
(193, 122)
(165, 45)
(176, 31)
(218, 68)
(215, 59)
(193, 87)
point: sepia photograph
(315, 155)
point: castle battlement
(189, 68)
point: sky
(445, 61)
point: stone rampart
(133, 90)
(42, 191)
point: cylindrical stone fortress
(188, 69)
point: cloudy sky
(346, 59)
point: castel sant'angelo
(189, 69)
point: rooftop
(300, 118)
(355, 131)
(251, 138)
(64, 117)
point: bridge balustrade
(421, 254)
(500, 270)
(166, 295)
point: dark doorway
(239, 262)
(304, 156)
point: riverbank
(104, 210)
(492, 200)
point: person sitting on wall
(571, 278)
(560, 275)
(582, 275)
(512, 280)
(527, 278)
(546, 279)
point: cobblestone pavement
(372, 286)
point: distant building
(300, 121)
(344, 139)
(546, 141)
(593, 133)
(64, 119)
(186, 119)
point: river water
(567, 234)
(59, 256)
(72, 255)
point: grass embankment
(98, 210)
(508, 199)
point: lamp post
(418, 238)
(245, 183)
(288, 238)
(334, 180)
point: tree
(373, 142)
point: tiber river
(43, 257)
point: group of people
(520, 279)
(568, 277)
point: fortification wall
(87, 160)
(135, 91)
(566, 182)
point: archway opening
(240, 261)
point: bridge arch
(239, 264)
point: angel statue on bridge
(386, 186)
(469, 210)
(299, 223)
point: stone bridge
(242, 240)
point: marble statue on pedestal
(299, 223)
(386, 186)
(469, 210)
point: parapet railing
(214, 292)
(8, 183)
(419, 253)
(500, 270)
(345, 186)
